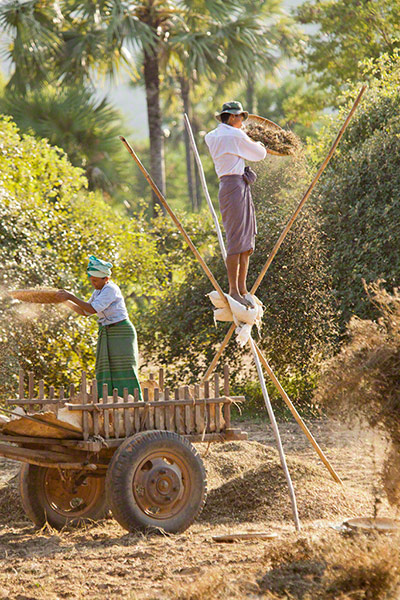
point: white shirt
(109, 304)
(230, 147)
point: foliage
(49, 224)
(345, 34)
(85, 128)
(299, 320)
(359, 192)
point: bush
(359, 192)
(49, 225)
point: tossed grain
(281, 140)
(37, 295)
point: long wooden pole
(289, 226)
(296, 415)
(204, 185)
(175, 219)
(276, 434)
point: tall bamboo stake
(289, 226)
(276, 434)
(296, 415)
(204, 185)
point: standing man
(229, 147)
(117, 349)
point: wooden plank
(21, 384)
(188, 411)
(106, 414)
(226, 380)
(117, 423)
(75, 444)
(127, 420)
(169, 412)
(227, 414)
(198, 420)
(161, 379)
(158, 417)
(51, 392)
(149, 419)
(153, 404)
(85, 414)
(136, 416)
(178, 414)
(31, 385)
(207, 407)
(71, 392)
(96, 423)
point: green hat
(233, 108)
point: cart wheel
(156, 479)
(61, 498)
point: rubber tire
(37, 508)
(120, 474)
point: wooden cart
(132, 457)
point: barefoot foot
(248, 300)
(236, 296)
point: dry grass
(281, 141)
(37, 295)
(102, 561)
(362, 382)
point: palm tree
(86, 129)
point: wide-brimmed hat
(233, 108)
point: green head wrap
(98, 268)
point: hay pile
(247, 484)
(361, 383)
(281, 140)
(10, 502)
(37, 295)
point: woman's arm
(87, 309)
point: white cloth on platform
(230, 147)
(244, 317)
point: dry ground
(247, 492)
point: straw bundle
(37, 295)
(282, 141)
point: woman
(117, 349)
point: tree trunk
(251, 102)
(198, 188)
(152, 86)
(185, 92)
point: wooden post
(71, 391)
(217, 407)
(161, 379)
(178, 415)
(169, 413)
(289, 226)
(188, 411)
(85, 415)
(95, 413)
(296, 415)
(127, 421)
(198, 419)
(41, 390)
(117, 428)
(21, 385)
(207, 407)
(106, 416)
(136, 414)
(158, 420)
(31, 391)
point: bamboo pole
(175, 219)
(204, 185)
(296, 415)
(289, 226)
(276, 434)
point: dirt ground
(247, 492)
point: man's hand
(64, 295)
